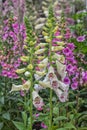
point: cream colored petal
(16, 87)
(40, 51)
(57, 48)
(45, 84)
(61, 69)
(63, 86)
(41, 73)
(39, 26)
(27, 85)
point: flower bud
(30, 66)
(20, 71)
(27, 73)
(24, 58)
(57, 48)
(40, 51)
(41, 73)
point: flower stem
(31, 104)
(51, 110)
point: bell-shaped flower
(63, 96)
(40, 57)
(61, 69)
(45, 84)
(54, 83)
(59, 57)
(37, 100)
(63, 86)
(40, 51)
(42, 45)
(20, 71)
(37, 87)
(39, 26)
(24, 58)
(41, 73)
(51, 73)
(40, 20)
(25, 86)
(57, 48)
(60, 43)
(27, 73)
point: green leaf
(1, 125)
(24, 116)
(83, 128)
(2, 100)
(61, 129)
(6, 116)
(60, 118)
(19, 125)
(69, 126)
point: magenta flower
(43, 125)
(66, 80)
(81, 38)
(74, 85)
(67, 51)
(71, 46)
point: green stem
(31, 104)
(51, 110)
(50, 100)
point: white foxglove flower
(16, 87)
(37, 77)
(45, 84)
(44, 61)
(61, 69)
(54, 83)
(20, 71)
(40, 20)
(60, 43)
(27, 73)
(59, 57)
(63, 86)
(57, 48)
(41, 73)
(40, 51)
(46, 13)
(51, 73)
(37, 87)
(25, 86)
(39, 26)
(37, 100)
(42, 44)
(63, 96)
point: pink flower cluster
(13, 41)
